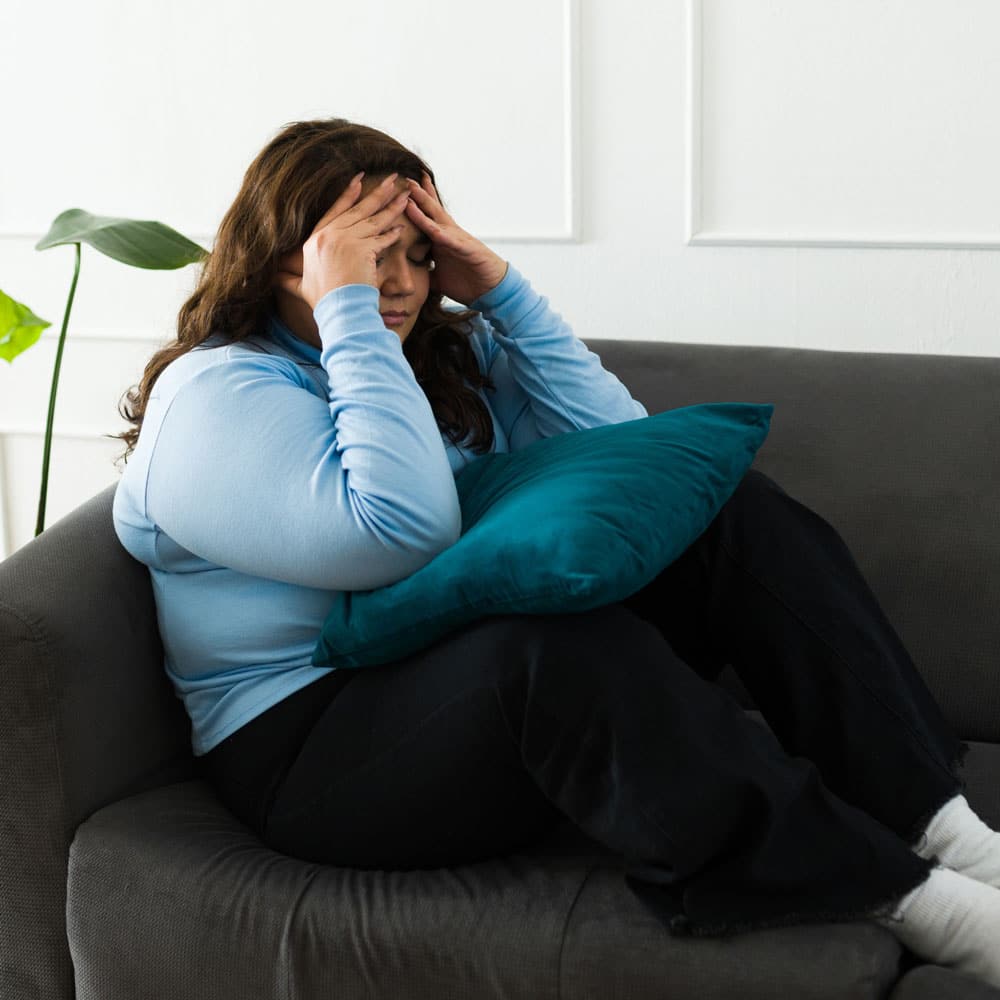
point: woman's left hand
(464, 267)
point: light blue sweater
(269, 474)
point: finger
(390, 213)
(372, 202)
(386, 239)
(428, 186)
(433, 211)
(443, 234)
(423, 221)
(344, 201)
(427, 200)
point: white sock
(962, 841)
(951, 920)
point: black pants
(480, 744)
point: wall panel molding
(97, 335)
(558, 104)
(698, 234)
(70, 483)
(84, 433)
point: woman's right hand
(343, 247)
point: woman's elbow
(434, 540)
(446, 528)
(417, 534)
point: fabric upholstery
(613, 948)
(981, 774)
(220, 915)
(930, 982)
(86, 717)
(173, 869)
(895, 450)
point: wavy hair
(285, 192)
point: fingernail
(390, 178)
(358, 177)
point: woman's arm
(547, 381)
(253, 471)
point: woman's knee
(756, 484)
(598, 648)
(756, 497)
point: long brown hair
(285, 192)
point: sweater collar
(295, 346)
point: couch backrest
(901, 453)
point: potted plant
(138, 243)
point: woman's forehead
(411, 234)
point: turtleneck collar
(295, 346)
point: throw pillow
(569, 523)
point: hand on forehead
(369, 183)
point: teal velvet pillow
(567, 524)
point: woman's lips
(394, 318)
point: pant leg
(772, 589)
(480, 744)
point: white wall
(819, 173)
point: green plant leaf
(19, 327)
(141, 244)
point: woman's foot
(951, 920)
(960, 840)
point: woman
(290, 444)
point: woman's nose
(398, 279)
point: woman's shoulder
(217, 361)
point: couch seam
(569, 913)
(289, 977)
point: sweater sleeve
(548, 381)
(253, 471)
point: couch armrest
(87, 716)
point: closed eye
(424, 261)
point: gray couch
(123, 878)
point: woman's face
(402, 272)
(402, 276)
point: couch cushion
(567, 524)
(931, 982)
(170, 897)
(616, 948)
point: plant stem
(40, 526)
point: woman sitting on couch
(300, 438)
